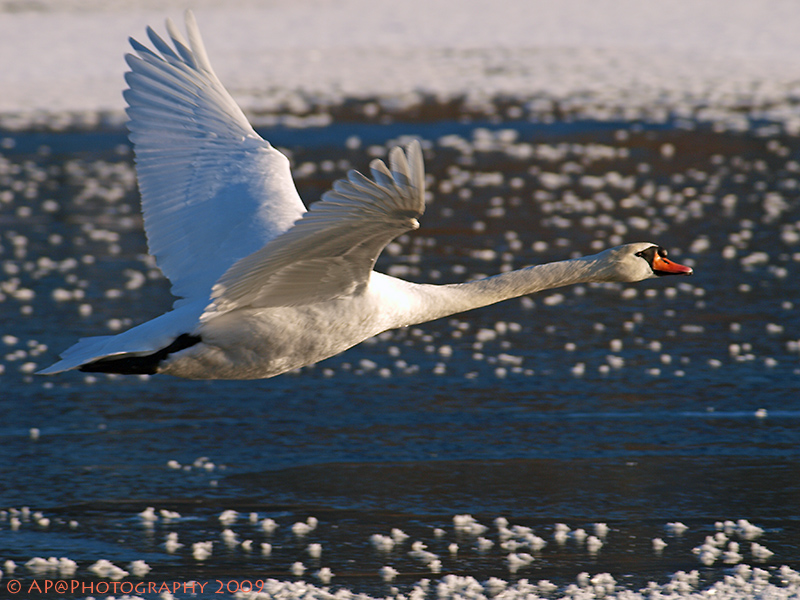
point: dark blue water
(657, 423)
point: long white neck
(428, 302)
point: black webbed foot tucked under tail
(141, 365)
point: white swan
(265, 286)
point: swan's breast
(260, 343)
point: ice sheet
(67, 57)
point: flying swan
(265, 286)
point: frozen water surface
(633, 406)
(594, 441)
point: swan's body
(265, 286)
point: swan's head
(635, 262)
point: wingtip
(196, 42)
(406, 161)
(174, 32)
(189, 18)
(51, 370)
(398, 163)
(416, 164)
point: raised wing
(213, 191)
(331, 251)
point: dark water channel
(634, 406)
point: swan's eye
(648, 254)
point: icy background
(622, 56)
(592, 442)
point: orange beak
(663, 266)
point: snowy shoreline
(62, 64)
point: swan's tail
(85, 351)
(138, 350)
(88, 355)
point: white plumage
(263, 285)
(213, 191)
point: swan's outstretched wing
(213, 191)
(330, 252)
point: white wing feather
(331, 251)
(213, 191)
